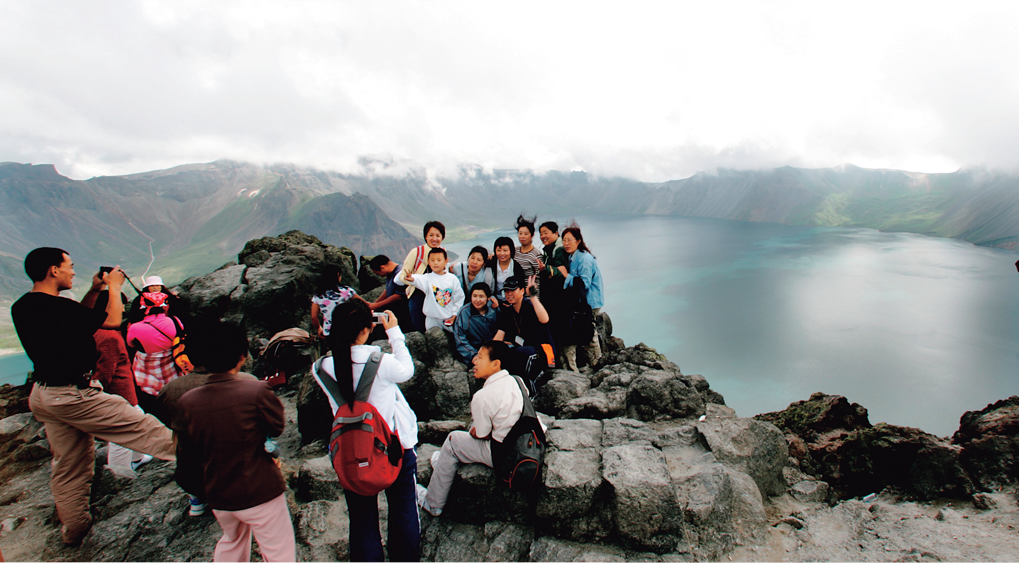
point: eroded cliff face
(645, 461)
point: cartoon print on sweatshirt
(442, 296)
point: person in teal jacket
(475, 324)
(583, 266)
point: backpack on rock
(517, 460)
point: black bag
(517, 460)
(581, 317)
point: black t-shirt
(57, 334)
(525, 324)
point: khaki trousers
(459, 447)
(72, 416)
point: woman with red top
(152, 338)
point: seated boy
(443, 295)
(222, 427)
(495, 408)
(475, 324)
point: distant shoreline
(10, 351)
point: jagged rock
(12, 426)
(655, 395)
(641, 354)
(571, 435)
(821, 414)
(322, 530)
(553, 549)
(476, 496)
(424, 453)
(677, 435)
(810, 491)
(366, 278)
(452, 393)
(209, 296)
(644, 503)
(984, 501)
(620, 431)
(989, 439)
(721, 505)
(435, 431)
(754, 447)
(14, 399)
(444, 540)
(573, 481)
(563, 387)
(596, 404)
(314, 415)
(316, 480)
(843, 449)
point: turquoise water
(916, 329)
(14, 368)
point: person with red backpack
(341, 374)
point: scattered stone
(811, 491)
(984, 501)
(316, 480)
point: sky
(646, 90)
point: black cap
(514, 282)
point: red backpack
(366, 455)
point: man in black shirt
(57, 334)
(523, 323)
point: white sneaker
(435, 458)
(422, 494)
(145, 459)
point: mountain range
(191, 219)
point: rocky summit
(645, 462)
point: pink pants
(271, 524)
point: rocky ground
(645, 463)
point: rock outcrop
(834, 441)
(989, 439)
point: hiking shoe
(423, 501)
(435, 458)
(198, 506)
(145, 459)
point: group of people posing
(541, 300)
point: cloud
(651, 90)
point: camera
(379, 317)
(105, 269)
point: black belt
(83, 383)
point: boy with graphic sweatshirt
(443, 294)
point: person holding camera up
(57, 335)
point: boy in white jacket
(443, 294)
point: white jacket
(444, 296)
(386, 396)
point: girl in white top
(351, 326)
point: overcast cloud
(652, 91)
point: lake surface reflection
(916, 329)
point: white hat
(152, 280)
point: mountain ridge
(197, 216)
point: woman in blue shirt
(583, 266)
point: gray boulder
(316, 480)
(643, 500)
(754, 447)
(322, 530)
(656, 395)
(570, 435)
